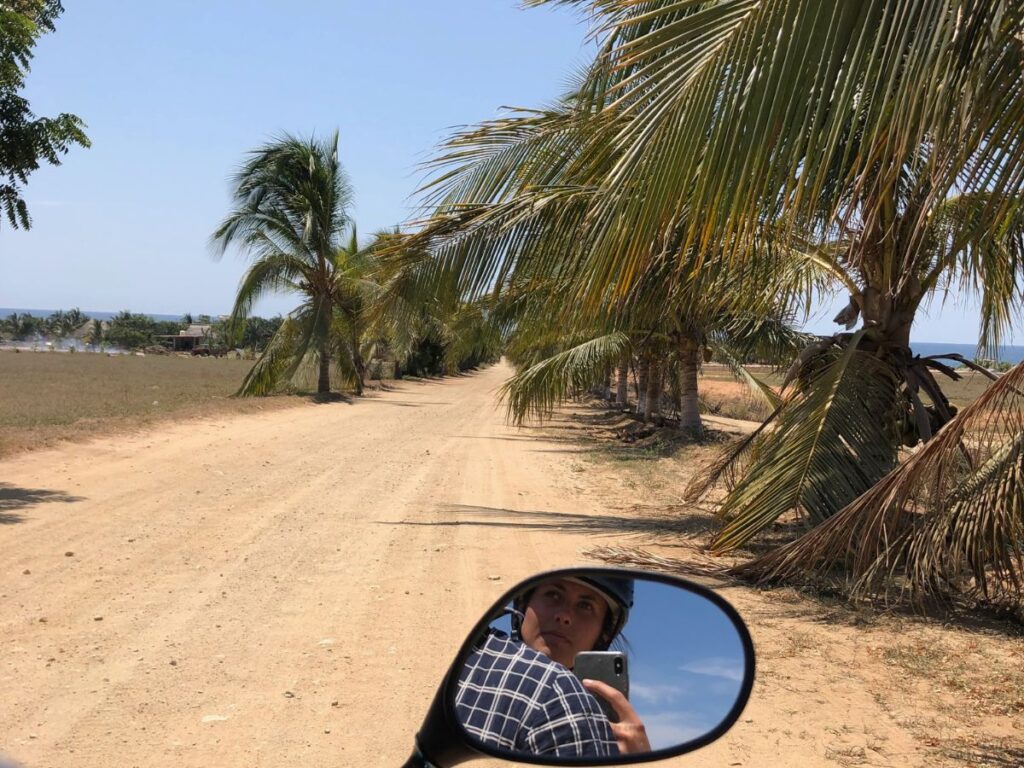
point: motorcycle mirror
(673, 661)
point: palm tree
(412, 310)
(291, 215)
(881, 140)
(95, 334)
(885, 139)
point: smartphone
(607, 666)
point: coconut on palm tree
(291, 217)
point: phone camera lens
(618, 666)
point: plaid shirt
(514, 698)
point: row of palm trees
(291, 216)
(721, 165)
(59, 324)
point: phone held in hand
(609, 667)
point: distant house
(186, 340)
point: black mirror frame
(442, 740)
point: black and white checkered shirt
(514, 698)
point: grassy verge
(46, 397)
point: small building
(186, 340)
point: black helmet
(617, 593)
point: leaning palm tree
(291, 214)
(882, 140)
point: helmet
(617, 593)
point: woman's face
(563, 618)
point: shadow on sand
(639, 520)
(14, 499)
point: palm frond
(538, 389)
(950, 519)
(267, 373)
(829, 443)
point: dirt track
(279, 589)
(287, 588)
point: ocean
(1007, 354)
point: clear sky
(174, 94)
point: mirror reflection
(590, 665)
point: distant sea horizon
(1009, 353)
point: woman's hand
(629, 731)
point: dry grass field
(722, 396)
(46, 397)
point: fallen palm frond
(949, 520)
(639, 558)
(821, 448)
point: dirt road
(287, 588)
(278, 589)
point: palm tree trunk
(359, 365)
(641, 385)
(652, 403)
(689, 408)
(323, 386)
(622, 385)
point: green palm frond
(950, 519)
(828, 444)
(538, 389)
(268, 372)
(758, 389)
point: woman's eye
(587, 607)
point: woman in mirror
(518, 693)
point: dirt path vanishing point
(287, 588)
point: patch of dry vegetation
(723, 396)
(46, 397)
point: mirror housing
(442, 740)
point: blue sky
(174, 94)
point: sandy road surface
(287, 588)
(268, 590)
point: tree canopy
(25, 139)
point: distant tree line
(134, 330)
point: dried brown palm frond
(633, 557)
(949, 520)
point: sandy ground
(287, 588)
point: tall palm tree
(881, 140)
(884, 138)
(291, 214)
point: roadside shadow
(14, 499)
(638, 521)
(330, 398)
